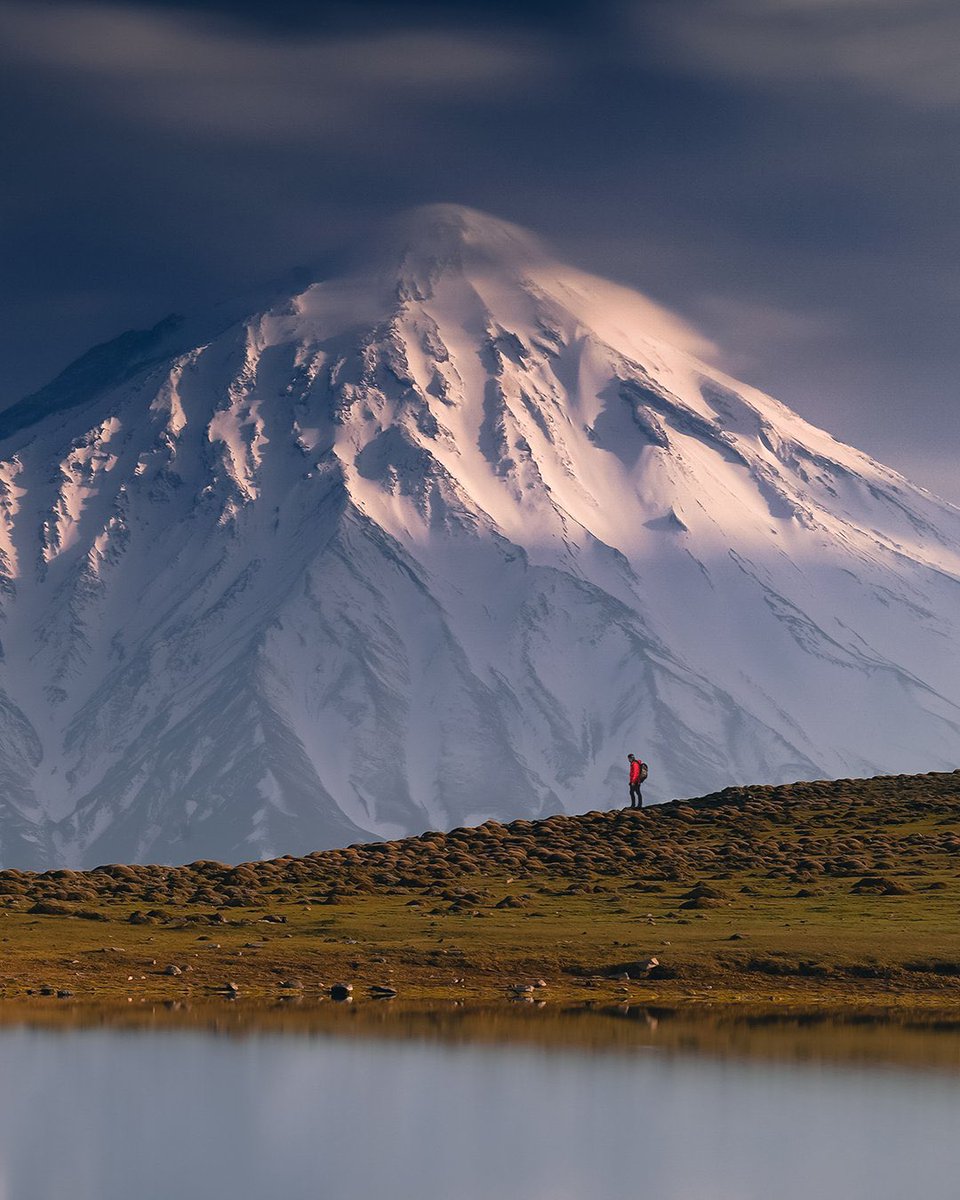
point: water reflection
(930, 1040)
(99, 1114)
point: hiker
(638, 773)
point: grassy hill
(827, 894)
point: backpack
(644, 771)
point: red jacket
(635, 771)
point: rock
(383, 991)
(291, 983)
(341, 991)
(64, 994)
(633, 970)
(172, 969)
(232, 988)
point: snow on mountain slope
(439, 541)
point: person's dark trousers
(636, 799)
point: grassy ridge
(834, 894)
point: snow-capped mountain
(439, 541)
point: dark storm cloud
(885, 47)
(160, 159)
(782, 171)
(849, 210)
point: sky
(782, 173)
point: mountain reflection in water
(427, 1108)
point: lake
(157, 1114)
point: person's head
(630, 757)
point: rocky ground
(830, 895)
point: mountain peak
(425, 242)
